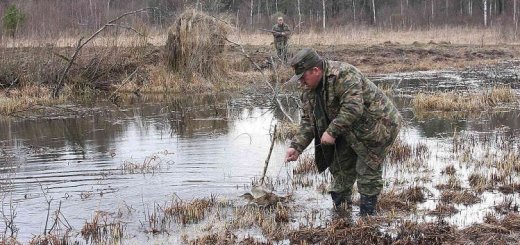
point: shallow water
(198, 147)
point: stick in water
(268, 156)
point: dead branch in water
(273, 138)
(81, 44)
(276, 89)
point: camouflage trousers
(281, 50)
(352, 163)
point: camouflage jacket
(277, 36)
(356, 109)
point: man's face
(311, 78)
(280, 21)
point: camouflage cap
(303, 60)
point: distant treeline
(54, 17)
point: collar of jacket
(323, 83)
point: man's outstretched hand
(291, 155)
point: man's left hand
(327, 139)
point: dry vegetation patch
(306, 165)
(443, 209)
(459, 197)
(189, 212)
(463, 102)
(404, 200)
(102, 229)
(286, 130)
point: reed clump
(149, 165)
(190, 212)
(305, 165)
(464, 102)
(286, 130)
(226, 237)
(459, 197)
(478, 182)
(195, 47)
(443, 209)
(404, 200)
(102, 230)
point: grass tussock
(449, 170)
(453, 183)
(478, 182)
(443, 209)
(404, 200)
(463, 102)
(190, 212)
(149, 165)
(102, 229)
(503, 231)
(226, 237)
(402, 152)
(306, 165)
(459, 197)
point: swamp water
(128, 161)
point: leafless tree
(324, 13)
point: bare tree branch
(275, 89)
(81, 44)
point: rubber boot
(340, 200)
(367, 205)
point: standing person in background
(353, 124)
(281, 33)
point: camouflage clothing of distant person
(352, 122)
(281, 33)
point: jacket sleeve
(349, 89)
(305, 132)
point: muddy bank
(101, 68)
(29, 76)
(394, 57)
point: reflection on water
(470, 79)
(209, 145)
(197, 146)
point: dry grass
(478, 182)
(102, 229)
(348, 35)
(189, 212)
(405, 200)
(494, 231)
(402, 152)
(306, 165)
(506, 206)
(149, 165)
(286, 130)
(443, 209)
(459, 197)
(464, 102)
(453, 183)
(26, 98)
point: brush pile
(195, 45)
